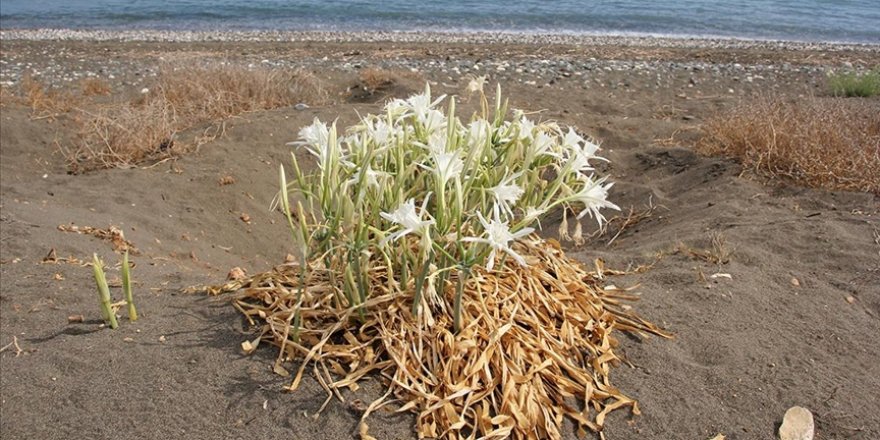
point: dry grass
(127, 133)
(7, 95)
(374, 84)
(620, 223)
(43, 100)
(123, 135)
(829, 143)
(94, 87)
(198, 94)
(374, 79)
(537, 344)
(717, 252)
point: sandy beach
(791, 319)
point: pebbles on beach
(64, 64)
(59, 64)
(416, 37)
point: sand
(796, 322)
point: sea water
(799, 20)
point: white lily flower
(507, 193)
(421, 103)
(437, 143)
(380, 131)
(526, 128)
(534, 214)
(405, 215)
(315, 137)
(433, 120)
(498, 237)
(476, 84)
(572, 140)
(544, 144)
(594, 196)
(579, 156)
(371, 176)
(447, 166)
(396, 107)
(478, 133)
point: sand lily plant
(416, 259)
(108, 308)
(429, 197)
(126, 288)
(104, 292)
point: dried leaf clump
(536, 345)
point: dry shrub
(124, 134)
(219, 91)
(819, 142)
(6, 95)
(374, 84)
(537, 343)
(94, 87)
(45, 101)
(374, 79)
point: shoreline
(452, 37)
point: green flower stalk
(104, 292)
(126, 288)
(421, 195)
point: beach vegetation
(852, 84)
(416, 257)
(107, 311)
(126, 288)
(829, 143)
(147, 127)
(416, 187)
(95, 87)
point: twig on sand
(14, 343)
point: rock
(301, 106)
(850, 299)
(795, 282)
(797, 424)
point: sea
(844, 21)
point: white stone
(797, 424)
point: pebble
(797, 424)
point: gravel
(32, 52)
(421, 37)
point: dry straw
(538, 345)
